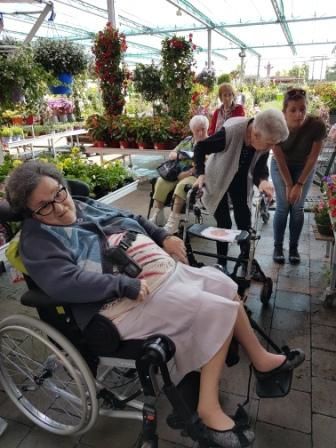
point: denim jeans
(283, 208)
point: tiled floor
(306, 418)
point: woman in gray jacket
(237, 159)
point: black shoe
(294, 256)
(278, 255)
(293, 359)
(239, 436)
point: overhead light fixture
(178, 12)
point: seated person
(199, 127)
(63, 246)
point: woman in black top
(292, 171)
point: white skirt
(195, 307)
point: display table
(128, 152)
(42, 142)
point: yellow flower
(17, 163)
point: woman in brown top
(292, 170)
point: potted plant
(17, 133)
(159, 133)
(322, 218)
(108, 48)
(143, 131)
(63, 59)
(98, 129)
(6, 135)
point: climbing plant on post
(108, 48)
(177, 64)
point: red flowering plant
(329, 186)
(108, 48)
(178, 76)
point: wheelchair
(62, 379)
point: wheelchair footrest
(275, 387)
(198, 229)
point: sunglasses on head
(295, 92)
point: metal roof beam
(297, 44)
(280, 13)
(189, 9)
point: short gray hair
(198, 120)
(272, 125)
(24, 180)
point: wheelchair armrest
(35, 298)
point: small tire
(266, 291)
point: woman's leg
(180, 195)
(281, 212)
(297, 210)
(223, 218)
(161, 191)
(209, 408)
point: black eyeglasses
(49, 207)
(295, 92)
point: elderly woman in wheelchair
(103, 261)
(199, 128)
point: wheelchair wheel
(266, 291)
(46, 377)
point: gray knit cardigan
(221, 167)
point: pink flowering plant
(61, 106)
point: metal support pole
(209, 48)
(111, 13)
(49, 7)
(258, 69)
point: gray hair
(198, 120)
(25, 179)
(272, 125)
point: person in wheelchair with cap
(101, 259)
(238, 155)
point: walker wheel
(266, 291)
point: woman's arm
(296, 191)
(212, 126)
(212, 144)
(282, 165)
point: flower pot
(63, 118)
(145, 145)
(114, 144)
(161, 145)
(99, 144)
(17, 121)
(30, 120)
(124, 144)
(60, 90)
(65, 78)
(325, 229)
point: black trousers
(242, 214)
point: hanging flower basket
(65, 78)
(60, 90)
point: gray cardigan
(221, 167)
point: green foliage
(299, 71)
(21, 78)
(331, 73)
(148, 81)
(321, 213)
(224, 77)
(177, 63)
(97, 127)
(327, 92)
(60, 56)
(108, 48)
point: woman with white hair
(237, 159)
(199, 128)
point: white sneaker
(173, 222)
(158, 217)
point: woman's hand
(175, 247)
(172, 155)
(295, 194)
(288, 191)
(267, 188)
(200, 182)
(144, 291)
(185, 174)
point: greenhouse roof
(273, 33)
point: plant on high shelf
(147, 81)
(327, 92)
(60, 56)
(108, 48)
(207, 77)
(22, 80)
(177, 64)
